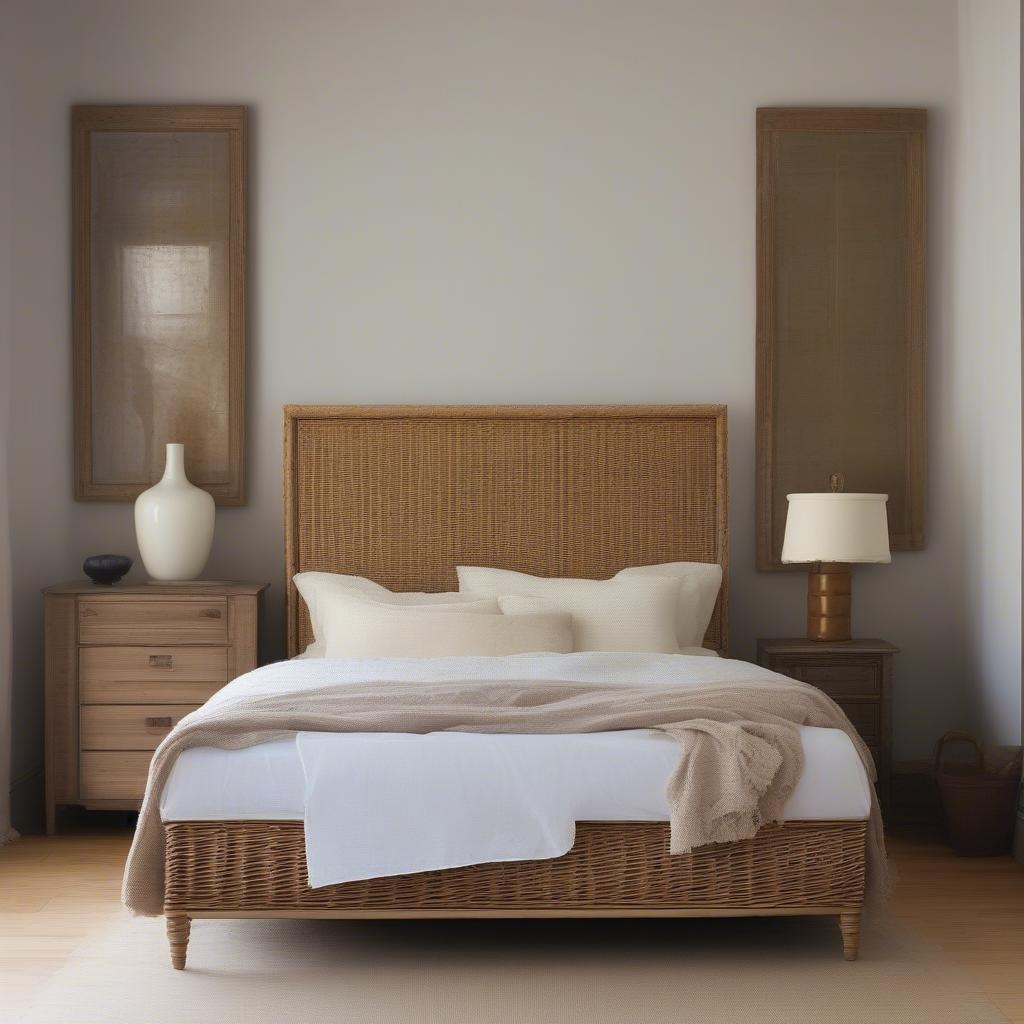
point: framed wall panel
(840, 313)
(158, 209)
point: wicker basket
(979, 804)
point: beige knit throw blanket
(741, 754)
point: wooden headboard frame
(403, 494)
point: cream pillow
(358, 628)
(699, 584)
(637, 614)
(699, 652)
(314, 585)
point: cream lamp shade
(836, 527)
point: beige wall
(984, 362)
(504, 202)
(6, 110)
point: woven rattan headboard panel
(403, 494)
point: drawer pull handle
(210, 613)
(159, 722)
(161, 661)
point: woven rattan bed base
(615, 869)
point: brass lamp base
(828, 601)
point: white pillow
(699, 652)
(637, 614)
(699, 584)
(358, 628)
(313, 585)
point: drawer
(144, 620)
(113, 775)
(846, 678)
(866, 718)
(127, 726)
(147, 675)
(174, 691)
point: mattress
(611, 776)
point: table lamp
(832, 530)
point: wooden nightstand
(857, 675)
(123, 665)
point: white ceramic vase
(174, 523)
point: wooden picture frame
(159, 263)
(841, 299)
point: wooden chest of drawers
(857, 675)
(123, 665)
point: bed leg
(849, 925)
(178, 928)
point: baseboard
(28, 800)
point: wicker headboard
(403, 494)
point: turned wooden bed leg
(178, 928)
(849, 925)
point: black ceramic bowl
(106, 569)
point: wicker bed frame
(403, 495)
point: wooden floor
(55, 892)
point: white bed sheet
(617, 776)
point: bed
(402, 495)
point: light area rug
(755, 971)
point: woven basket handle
(954, 736)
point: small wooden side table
(123, 665)
(857, 675)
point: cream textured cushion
(357, 627)
(699, 652)
(699, 584)
(313, 585)
(637, 614)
